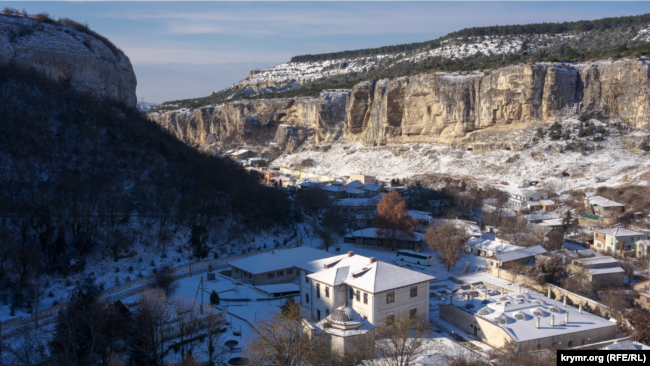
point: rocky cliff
(441, 107)
(64, 52)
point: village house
(526, 321)
(376, 290)
(373, 189)
(370, 238)
(548, 205)
(274, 267)
(355, 193)
(616, 241)
(270, 174)
(353, 206)
(470, 228)
(364, 179)
(488, 248)
(421, 218)
(524, 257)
(527, 199)
(334, 191)
(601, 271)
(602, 207)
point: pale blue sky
(189, 49)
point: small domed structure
(554, 309)
(501, 319)
(344, 315)
(485, 311)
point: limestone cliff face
(258, 119)
(444, 108)
(64, 53)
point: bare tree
(186, 325)
(516, 231)
(216, 350)
(401, 340)
(448, 240)
(279, 340)
(150, 323)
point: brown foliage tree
(392, 220)
(448, 240)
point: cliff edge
(65, 52)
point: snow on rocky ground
(610, 165)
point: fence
(135, 286)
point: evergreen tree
(214, 298)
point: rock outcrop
(441, 107)
(65, 53)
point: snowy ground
(609, 165)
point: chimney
(518, 289)
(372, 260)
(549, 292)
(350, 254)
(537, 323)
(566, 317)
(564, 301)
(552, 320)
(580, 308)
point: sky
(185, 50)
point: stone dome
(485, 311)
(344, 314)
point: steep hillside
(465, 50)
(65, 50)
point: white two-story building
(375, 290)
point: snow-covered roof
(471, 227)
(308, 184)
(590, 194)
(553, 222)
(547, 202)
(603, 202)
(517, 315)
(626, 345)
(278, 259)
(521, 253)
(358, 202)
(371, 277)
(371, 232)
(334, 188)
(526, 193)
(419, 215)
(355, 191)
(355, 184)
(605, 270)
(597, 261)
(619, 231)
(372, 187)
(486, 244)
(536, 217)
(279, 288)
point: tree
(566, 221)
(214, 298)
(187, 324)
(198, 242)
(516, 231)
(401, 339)
(447, 240)
(554, 240)
(164, 280)
(392, 220)
(638, 325)
(149, 322)
(216, 349)
(279, 340)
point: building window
(280, 273)
(318, 291)
(289, 271)
(414, 291)
(327, 312)
(327, 292)
(318, 314)
(307, 298)
(390, 297)
(413, 313)
(570, 344)
(357, 294)
(306, 279)
(365, 298)
(365, 317)
(351, 294)
(236, 270)
(270, 275)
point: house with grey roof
(617, 241)
(527, 199)
(375, 290)
(524, 256)
(603, 207)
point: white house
(527, 199)
(375, 290)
